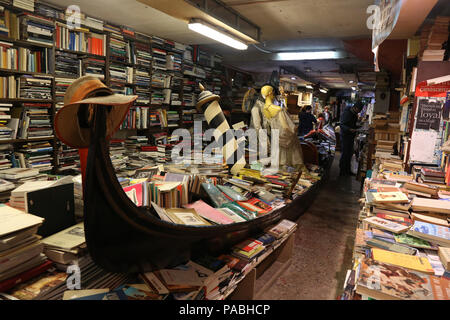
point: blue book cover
(431, 230)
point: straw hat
(205, 97)
(79, 98)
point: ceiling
(286, 25)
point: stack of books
(20, 248)
(94, 68)
(173, 119)
(36, 121)
(433, 38)
(120, 49)
(68, 158)
(432, 176)
(66, 246)
(159, 53)
(37, 155)
(30, 87)
(24, 4)
(117, 154)
(143, 55)
(119, 73)
(8, 126)
(37, 29)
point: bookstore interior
(184, 152)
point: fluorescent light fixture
(315, 55)
(309, 87)
(323, 90)
(210, 32)
(293, 78)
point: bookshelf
(164, 74)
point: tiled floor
(323, 244)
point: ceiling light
(309, 87)
(354, 88)
(315, 55)
(293, 78)
(351, 81)
(210, 32)
(323, 90)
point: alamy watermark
(73, 14)
(374, 20)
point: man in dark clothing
(348, 126)
(307, 121)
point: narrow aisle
(323, 244)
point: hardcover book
(393, 197)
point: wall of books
(41, 56)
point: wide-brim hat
(82, 94)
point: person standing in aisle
(348, 128)
(306, 120)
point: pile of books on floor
(403, 236)
(30, 87)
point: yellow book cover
(407, 261)
(395, 197)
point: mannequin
(278, 119)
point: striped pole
(209, 104)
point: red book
(25, 276)
(89, 48)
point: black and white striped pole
(208, 103)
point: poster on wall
(429, 115)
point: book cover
(403, 260)
(209, 212)
(216, 196)
(386, 224)
(444, 255)
(386, 282)
(394, 197)
(186, 216)
(431, 232)
(256, 205)
(414, 242)
(137, 194)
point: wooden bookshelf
(107, 77)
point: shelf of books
(403, 233)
